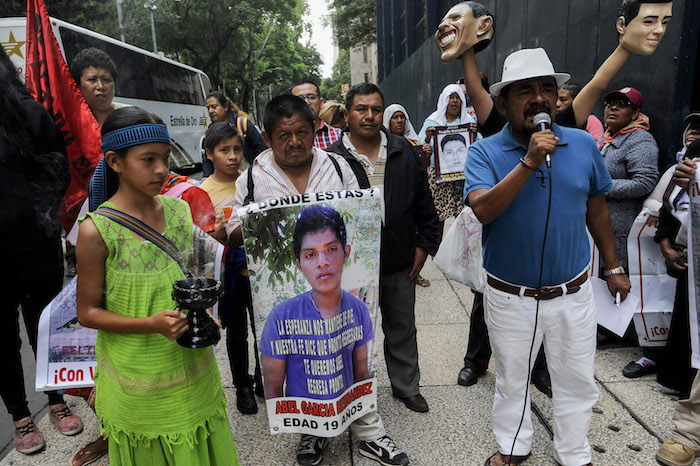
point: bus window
(205, 82)
(140, 76)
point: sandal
(420, 281)
(507, 459)
(91, 452)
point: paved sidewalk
(630, 418)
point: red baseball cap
(629, 93)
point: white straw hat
(527, 64)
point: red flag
(51, 84)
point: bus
(171, 90)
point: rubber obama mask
(644, 32)
(460, 30)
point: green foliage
(268, 240)
(100, 15)
(248, 45)
(331, 87)
(354, 23)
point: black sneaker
(634, 370)
(310, 450)
(384, 451)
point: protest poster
(65, 354)
(313, 261)
(450, 145)
(694, 270)
(655, 289)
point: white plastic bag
(459, 256)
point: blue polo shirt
(512, 243)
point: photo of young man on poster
(451, 144)
(317, 342)
(454, 153)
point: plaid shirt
(270, 182)
(326, 135)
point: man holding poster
(293, 166)
(338, 324)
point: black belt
(544, 293)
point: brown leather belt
(544, 293)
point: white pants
(369, 427)
(567, 325)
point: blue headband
(100, 189)
(135, 135)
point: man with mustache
(537, 289)
(409, 233)
(641, 25)
(635, 17)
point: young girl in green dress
(159, 403)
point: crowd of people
(538, 319)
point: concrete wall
(359, 67)
(578, 36)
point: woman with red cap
(631, 157)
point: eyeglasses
(621, 103)
(310, 97)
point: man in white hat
(537, 282)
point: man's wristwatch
(619, 270)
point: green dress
(158, 402)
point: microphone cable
(537, 312)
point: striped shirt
(326, 135)
(375, 172)
(271, 182)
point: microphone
(543, 121)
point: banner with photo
(451, 144)
(694, 269)
(313, 261)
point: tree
(99, 13)
(331, 88)
(249, 44)
(354, 23)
